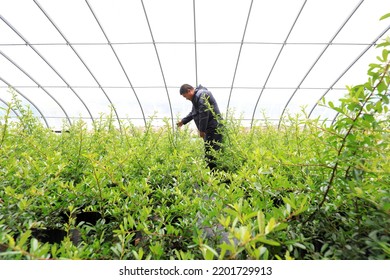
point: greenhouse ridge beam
(347, 69)
(187, 43)
(27, 43)
(277, 58)
(238, 58)
(119, 61)
(316, 61)
(82, 61)
(32, 103)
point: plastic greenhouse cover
(70, 59)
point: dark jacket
(205, 120)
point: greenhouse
(194, 130)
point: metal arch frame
(159, 62)
(316, 61)
(276, 60)
(346, 70)
(227, 87)
(32, 103)
(39, 86)
(238, 58)
(24, 72)
(117, 57)
(82, 61)
(51, 66)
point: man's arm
(185, 120)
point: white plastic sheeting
(71, 59)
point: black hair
(185, 88)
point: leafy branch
(377, 84)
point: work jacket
(205, 111)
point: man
(206, 114)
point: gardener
(207, 117)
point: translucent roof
(71, 59)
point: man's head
(187, 91)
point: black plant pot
(90, 217)
(48, 235)
(54, 235)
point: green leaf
(382, 87)
(270, 226)
(385, 16)
(359, 191)
(299, 245)
(138, 255)
(378, 107)
(249, 216)
(268, 241)
(33, 245)
(225, 247)
(369, 118)
(368, 86)
(290, 201)
(11, 241)
(280, 226)
(261, 222)
(231, 212)
(243, 234)
(385, 54)
(385, 99)
(224, 221)
(324, 247)
(24, 238)
(208, 252)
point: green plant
(305, 190)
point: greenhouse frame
(91, 114)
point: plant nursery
(98, 162)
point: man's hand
(179, 124)
(202, 134)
